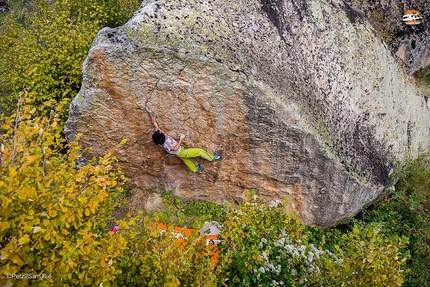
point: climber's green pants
(186, 154)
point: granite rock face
(298, 103)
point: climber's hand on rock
(181, 136)
(148, 109)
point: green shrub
(45, 54)
(18, 9)
(149, 257)
(369, 258)
(53, 214)
(406, 212)
(263, 245)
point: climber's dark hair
(158, 137)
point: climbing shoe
(217, 157)
(198, 168)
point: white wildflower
(275, 203)
(293, 272)
(264, 255)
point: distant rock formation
(410, 43)
(299, 97)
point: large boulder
(300, 98)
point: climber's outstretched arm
(153, 120)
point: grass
(193, 214)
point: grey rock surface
(211, 228)
(301, 99)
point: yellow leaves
(79, 242)
(12, 173)
(63, 208)
(93, 205)
(24, 240)
(32, 71)
(44, 196)
(102, 195)
(31, 158)
(66, 35)
(47, 104)
(15, 259)
(372, 255)
(103, 263)
(71, 218)
(85, 250)
(47, 236)
(4, 226)
(81, 276)
(355, 230)
(82, 199)
(27, 227)
(52, 213)
(45, 222)
(72, 264)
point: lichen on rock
(298, 103)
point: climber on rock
(172, 146)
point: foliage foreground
(406, 212)
(54, 230)
(263, 245)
